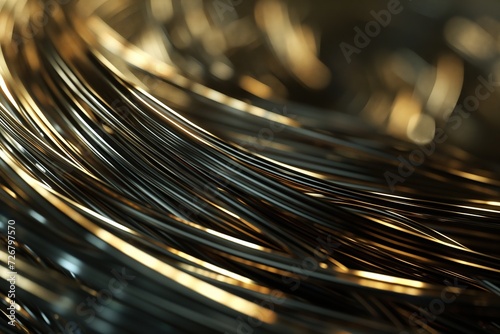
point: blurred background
(363, 131)
(403, 75)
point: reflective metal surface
(197, 167)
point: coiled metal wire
(160, 185)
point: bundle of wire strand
(166, 175)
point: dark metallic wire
(98, 172)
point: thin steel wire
(101, 172)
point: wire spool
(161, 184)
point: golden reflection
(298, 49)
(469, 37)
(447, 86)
(389, 279)
(200, 85)
(404, 108)
(195, 284)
